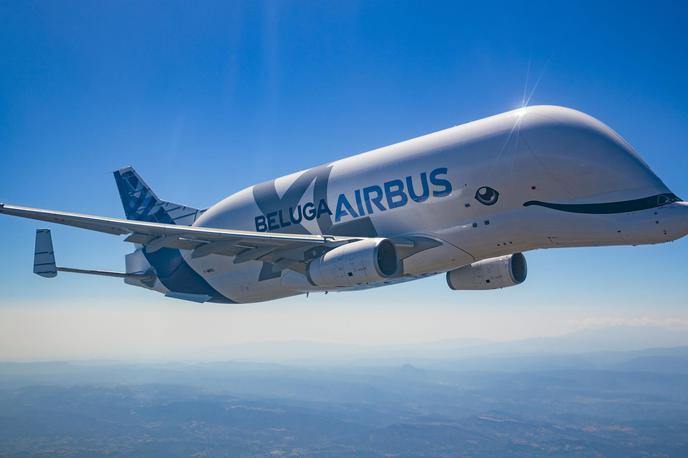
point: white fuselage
(539, 177)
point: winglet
(43, 256)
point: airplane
(467, 201)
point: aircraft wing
(244, 245)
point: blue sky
(206, 98)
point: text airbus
(366, 201)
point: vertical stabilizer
(141, 204)
(171, 269)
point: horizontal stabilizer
(43, 256)
(44, 261)
(106, 273)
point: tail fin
(141, 204)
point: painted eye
(486, 195)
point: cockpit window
(664, 199)
(603, 208)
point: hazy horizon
(112, 336)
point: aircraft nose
(586, 158)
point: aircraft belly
(437, 259)
(238, 282)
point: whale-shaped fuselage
(539, 177)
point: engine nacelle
(491, 273)
(355, 263)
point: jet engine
(490, 273)
(355, 263)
